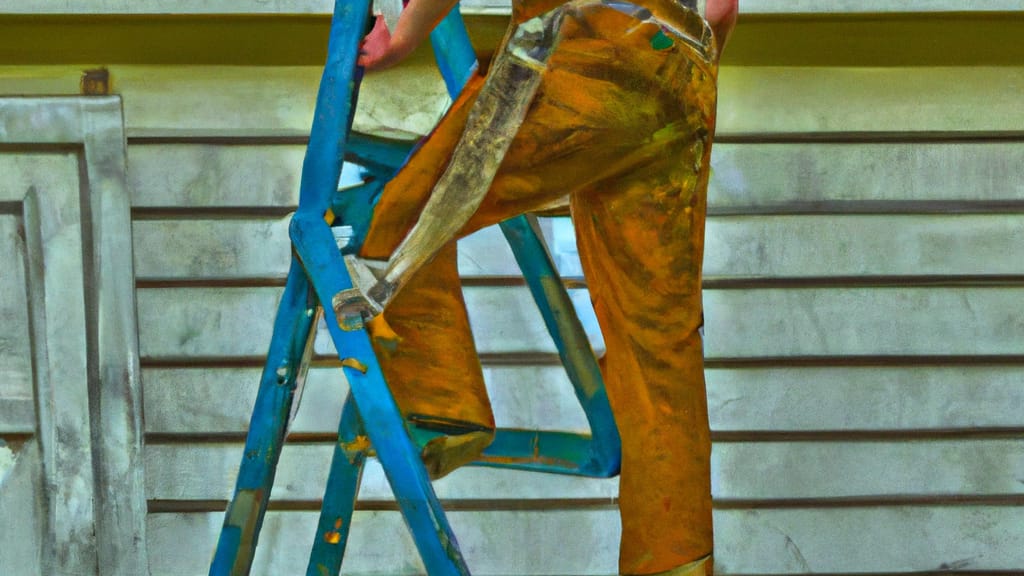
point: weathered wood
(258, 249)
(218, 401)
(749, 400)
(188, 101)
(212, 249)
(864, 322)
(47, 170)
(115, 401)
(786, 541)
(55, 281)
(746, 471)
(739, 323)
(17, 414)
(873, 6)
(508, 542)
(888, 176)
(752, 177)
(845, 469)
(79, 285)
(737, 247)
(815, 246)
(207, 472)
(15, 357)
(21, 508)
(865, 398)
(870, 539)
(207, 175)
(887, 100)
(176, 322)
(169, 7)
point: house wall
(864, 302)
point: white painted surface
(856, 540)
(73, 326)
(7, 460)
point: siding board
(791, 541)
(737, 247)
(909, 399)
(838, 175)
(903, 246)
(743, 471)
(516, 542)
(807, 322)
(212, 249)
(764, 175)
(864, 371)
(866, 398)
(755, 323)
(208, 471)
(211, 175)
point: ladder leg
(244, 517)
(385, 426)
(332, 532)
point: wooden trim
(86, 370)
(854, 38)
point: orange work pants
(622, 123)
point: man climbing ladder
(612, 104)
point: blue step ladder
(318, 272)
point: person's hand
(721, 14)
(376, 51)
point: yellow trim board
(934, 39)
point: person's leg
(641, 250)
(640, 237)
(618, 107)
(425, 345)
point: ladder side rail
(453, 52)
(350, 453)
(385, 426)
(335, 108)
(267, 428)
(314, 244)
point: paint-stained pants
(622, 123)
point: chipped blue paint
(267, 428)
(350, 452)
(313, 242)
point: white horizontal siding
(863, 330)
(746, 471)
(748, 323)
(855, 540)
(759, 176)
(737, 247)
(751, 401)
(863, 317)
